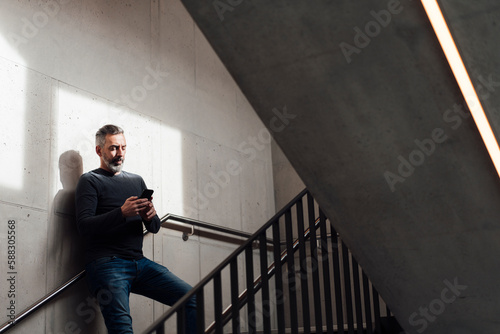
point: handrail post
(200, 311)
(314, 264)
(250, 290)
(291, 273)
(278, 277)
(266, 311)
(326, 273)
(304, 285)
(218, 303)
(234, 296)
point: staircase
(294, 275)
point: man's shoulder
(131, 176)
(93, 173)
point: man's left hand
(149, 212)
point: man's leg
(109, 280)
(157, 282)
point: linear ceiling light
(457, 66)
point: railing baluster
(200, 311)
(218, 303)
(234, 295)
(266, 312)
(315, 265)
(326, 274)
(376, 310)
(280, 307)
(250, 291)
(303, 269)
(357, 296)
(181, 320)
(292, 295)
(347, 288)
(336, 280)
(368, 308)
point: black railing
(294, 293)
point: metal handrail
(199, 223)
(50, 296)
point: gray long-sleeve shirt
(99, 197)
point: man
(110, 217)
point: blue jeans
(111, 280)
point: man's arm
(150, 218)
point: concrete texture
(375, 126)
(67, 68)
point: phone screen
(147, 193)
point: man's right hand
(133, 206)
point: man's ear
(98, 150)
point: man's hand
(134, 206)
(148, 213)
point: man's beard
(115, 168)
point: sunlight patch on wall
(154, 150)
(12, 125)
(171, 171)
(447, 43)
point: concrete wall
(287, 183)
(66, 68)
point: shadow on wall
(74, 310)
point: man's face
(113, 153)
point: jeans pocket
(101, 261)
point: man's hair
(109, 129)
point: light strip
(457, 66)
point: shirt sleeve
(87, 221)
(155, 224)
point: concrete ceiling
(363, 103)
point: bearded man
(110, 217)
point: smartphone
(147, 193)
